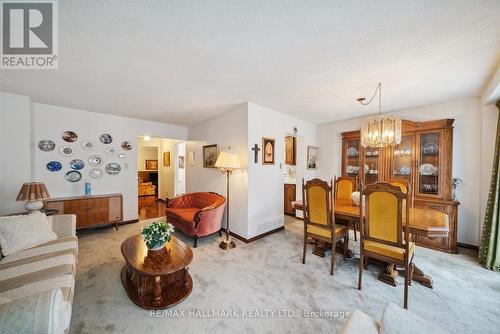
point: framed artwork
(267, 151)
(166, 159)
(151, 164)
(312, 157)
(181, 161)
(210, 153)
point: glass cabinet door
(402, 159)
(428, 163)
(371, 166)
(352, 158)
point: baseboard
(257, 237)
(468, 246)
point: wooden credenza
(423, 158)
(90, 211)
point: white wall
(466, 154)
(180, 173)
(51, 121)
(265, 182)
(146, 153)
(15, 155)
(227, 129)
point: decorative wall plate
(66, 151)
(95, 173)
(73, 176)
(69, 136)
(54, 166)
(427, 169)
(113, 168)
(76, 164)
(46, 145)
(106, 138)
(122, 156)
(111, 151)
(127, 146)
(88, 144)
(95, 160)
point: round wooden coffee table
(156, 279)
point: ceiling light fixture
(381, 130)
(147, 138)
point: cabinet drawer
(432, 206)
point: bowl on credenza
(355, 196)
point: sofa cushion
(22, 232)
(41, 313)
(186, 214)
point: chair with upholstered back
(344, 187)
(405, 187)
(382, 231)
(319, 222)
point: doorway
(160, 174)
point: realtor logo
(29, 34)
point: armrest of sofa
(360, 322)
(40, 313)
(63, 225)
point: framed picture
(151, 164)
(181, 161)
(312, 157)
(166, 159)
(210, 153)
(268, 151)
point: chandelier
(381, 130)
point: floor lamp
(227, 161)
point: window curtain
(489, 251)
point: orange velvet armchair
(196, 214)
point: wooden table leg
(157, 292)
(420, 276)
(389, 275)
(321, 247)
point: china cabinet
(423, 158)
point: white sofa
(37, 284)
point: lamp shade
(33, 191)
(227, 160)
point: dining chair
(344, 187)
(319, 222)
(382, 235)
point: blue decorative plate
(54, 166)
(76, 164)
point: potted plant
(157, 234)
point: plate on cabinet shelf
(405, 170)
(46, 145)
(352, 152)
(430, 188)
(352, 169)
(427, 169)
(73, 176)
(430, 148)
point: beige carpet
(260, 279)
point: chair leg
(355, 234)
(360, 275)
(332, 269)
(305, 249)
(220, 232)
(195, 241)
(407, 276)
(346, 243)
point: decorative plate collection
(94, 161)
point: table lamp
(33, 193)
(227, 161)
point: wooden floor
(150, 207)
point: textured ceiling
(183, 62)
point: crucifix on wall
(256, 150)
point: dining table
(423, 222)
